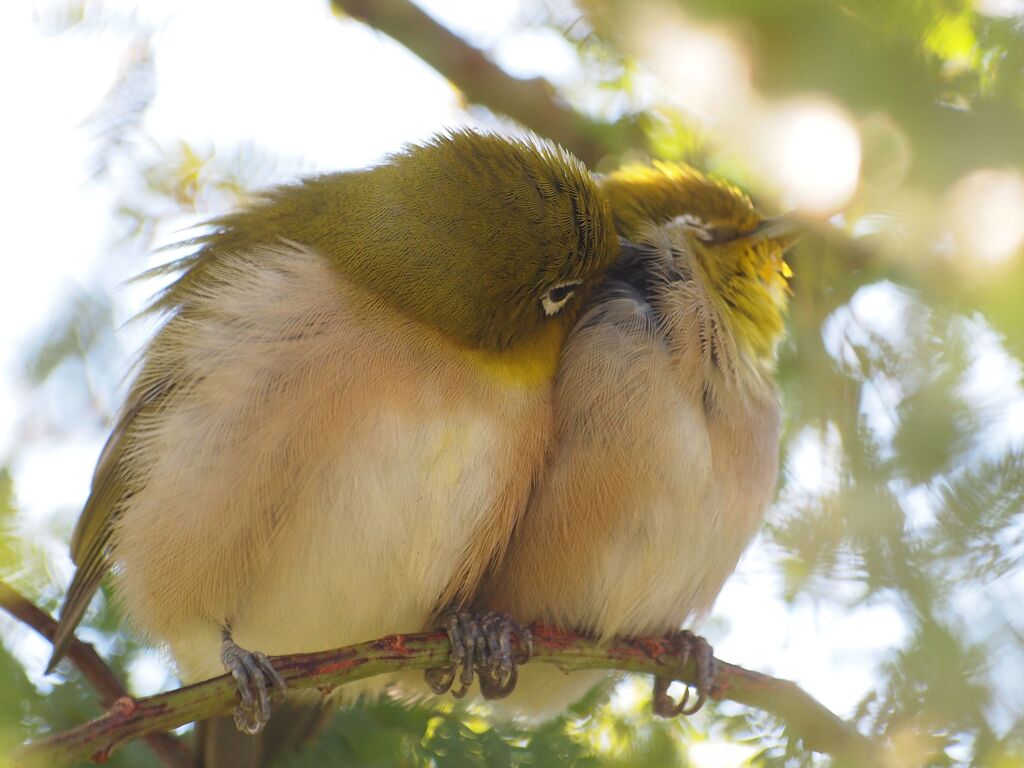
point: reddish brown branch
(129, 719)
(534, 103)
(169, 750)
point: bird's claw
(481, 644)
(255, 678)
(686, 645)
(499, 675)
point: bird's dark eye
(557, 295)
(561, 292)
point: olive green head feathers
(733, 251)
(489, 239)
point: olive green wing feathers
(113, 481)
(90, 543)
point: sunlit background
(888, 581)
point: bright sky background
(295, 79)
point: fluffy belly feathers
(313, 478)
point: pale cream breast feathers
(323, 471)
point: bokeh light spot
(987, 212)
(817, 153)
(1000, 8)
(706, 71)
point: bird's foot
(481, 644)
(467, 644)
(256, 678)
(686, 645)
(498, 676)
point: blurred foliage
(387, 734)
(948, 76)
(75, 334)
(902, 372)
(25, 706)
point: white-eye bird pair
(362, 412)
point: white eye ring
(557, 296)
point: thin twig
(534, 103)
(170, 751)
(128, 719)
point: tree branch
(534, 103)
(128, 719)
(169, 750)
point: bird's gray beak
(785, 231)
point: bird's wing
(90, 543)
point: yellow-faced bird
(667, 430)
